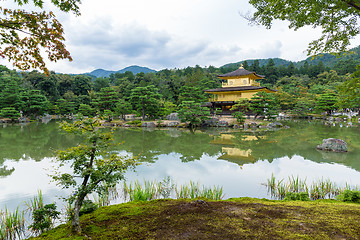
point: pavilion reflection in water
(233, 152)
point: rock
(172, 124)
(253, 125)
(222, 123)
(172, 117)
(148, 124)
(333, 145)
(338, 119)
(274, 125)
(211, 122)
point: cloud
(103, 45)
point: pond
(239, 161)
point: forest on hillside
(301, 90)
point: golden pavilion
(236, 85)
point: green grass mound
(242, 218)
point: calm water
(237, 160)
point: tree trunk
(75, 222)
(143, 110)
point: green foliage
(91, 162)
(293, 196)
(349, 92)
(87, 207)
(10, 112)
(192, 112)
(153, 190)
(320, 189)
(137, 192)
(349, 196)
(263, 103)
(106, 99)
(326, 102)
(86, 110)
(12, 224)
(134, 122)
(43, 218)
(240, 117)
(145, 100)
(338, 20)
(122, 107)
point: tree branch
(352, 3)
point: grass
(319, 189)
(240, 218)
(12, 224)
(150, 190)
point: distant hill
(262, 62)
(106, 73)
(328, 60)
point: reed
(12, 224)
(137, 192)
(150, 190)
(108, 194)
(166, 187)
(36, 203)
(215, 193)
(320, 189)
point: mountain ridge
(106, 73)
(328, 60)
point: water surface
(240, 161)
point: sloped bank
(242, 218)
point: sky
(159, 34)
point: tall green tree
(82, 85)
(107, 99)
(326, 102)
(349, 92)
(10, 95)
(263, 103)
(193, 112)
(10, 112)
(145, 100)
(37, 104)
(122, 108)
(94, 166)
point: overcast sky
(159, 34)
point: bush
(134, 122)
(43, 218)
(349, 196)
(87, 207)
(301, 196)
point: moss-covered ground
(242, 218)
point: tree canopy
(337, 18)
(24, 34)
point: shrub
(134, 122)
(349, 196)
(43, 218)
(293, 196)
(87, 207)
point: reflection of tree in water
(34, 140)
(150, 144)
(301, 139)
(6, 172)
